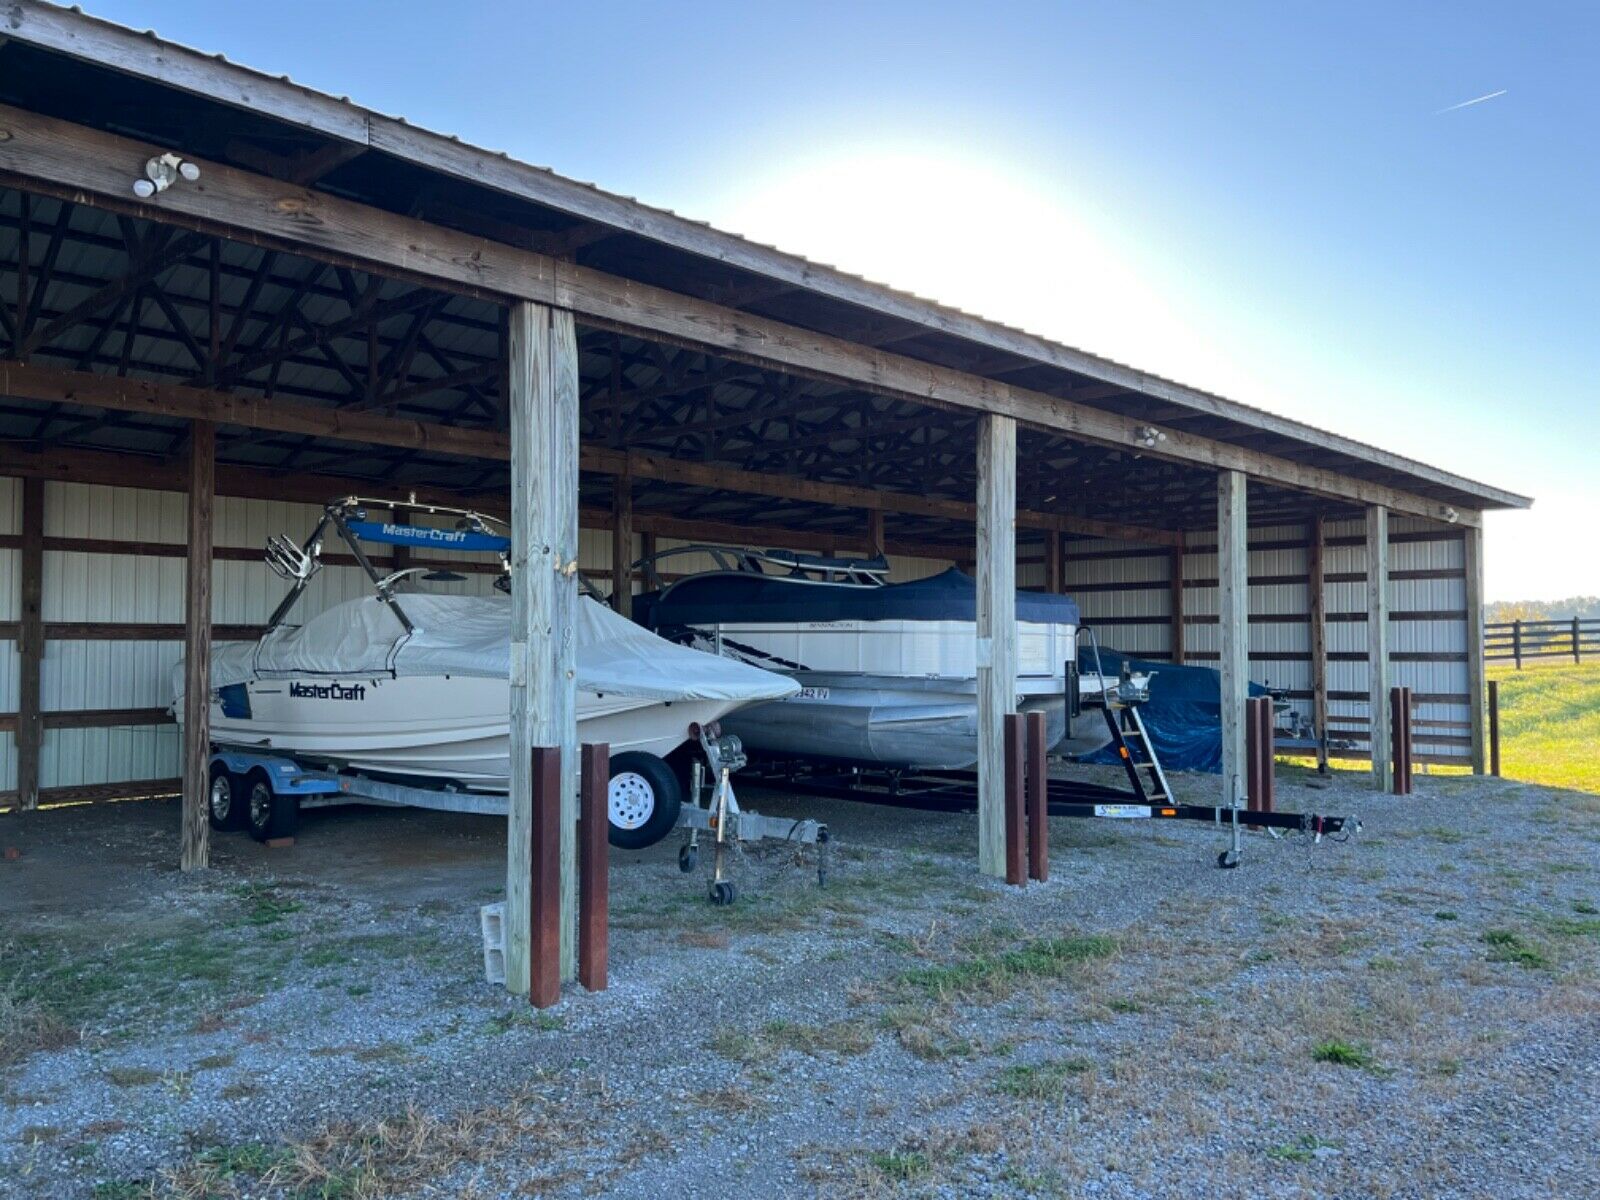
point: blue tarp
(733, 596)
(1183, 715)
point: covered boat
(353, 688)
(887, 672)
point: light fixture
(1449, 514)
(1148, 436)
(161, 172)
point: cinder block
(493, 918)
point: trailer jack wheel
(722, 893)
(688, 859)
(1228, 859)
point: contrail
(1470, 103)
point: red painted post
(1411, 742)
(1016, 832)
(544, 951)
(1494, 728)
(1038, 800)
(1258, 755)
(594, 887)
(1269, 758)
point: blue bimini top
(734, 597)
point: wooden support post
(1378, 642)
(1038, 799)
(30, 646)
(1055, 575)
(1233, 617)
(1260, 756)
(594, 830)
(1516, 642)
(1268, 739)
(1016, 796)
(1577, 644)
(1175, 605)
(543, 400)
(1494, 728)
(543, 927)
(622, 544)
(875, 543)
(1316, 586)
(195, 853)
(996, 627)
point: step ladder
(1136, 750)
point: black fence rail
(1565, 637)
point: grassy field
(1550, 724)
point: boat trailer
(1147, 798)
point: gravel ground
(1411, 1013)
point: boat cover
(470, 635)
(1183, 715)
(727, 598)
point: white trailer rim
(631, 801)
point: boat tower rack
(783, 564)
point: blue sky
(1259, 199)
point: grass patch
(1344, 1054)
(1041, 1081)
(1302, 1150)
(28, 1025)
(1550, 724)
(845, 1038)
(132, 1076)
(899, 1166)
(983, 971)
(1507, 946)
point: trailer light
(1169, 812)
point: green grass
(1506, 946)
(1343, 1054)
(1041, 1081)
(983, 970)
(1550, 724)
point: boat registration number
(811, 693)
(1122, 812)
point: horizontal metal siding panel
(99, 674)
(82, 757)
(126, 514)
(112, 587)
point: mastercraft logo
(328, 691)
(426, 533)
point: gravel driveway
(1412, 1013)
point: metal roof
(68, 64)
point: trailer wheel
(642, 800)
(225, 801)
(269, 814)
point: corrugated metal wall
(1124, 590)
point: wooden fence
(1565, 637)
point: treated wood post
(1494, 727)
(543, 403)
(1378, 643)
(1055, 564)
(996, 627)
(1516, 642)
(1175, 605)
(543, 928)
(1316, 586)
(30, 646)
(594, 885)
(1016, 794)
(874, 532)
(1577, 646)
(1233, 619)
(1472, 560)
(1038, 784)
(622, 544)
(1397, 726)
(195, 853)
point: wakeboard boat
(407, 685)
(887, 672)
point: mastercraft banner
(423, 535)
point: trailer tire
(225, 799)
(269, 815)
(642, 800)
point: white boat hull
(443, 728)
(897, 693)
